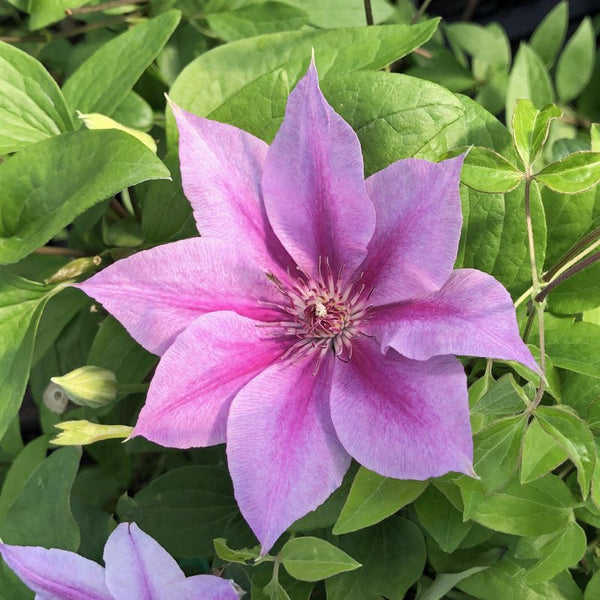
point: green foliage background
(529, 528)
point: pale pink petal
(137, 566)
(56, 574)
(198, 376)
(157, 293)
(221, 170)
(203, 587)
(402, 418)
(284, 456)
(471, 315)
(313, 184)
(418, 227)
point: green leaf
(45, 12)
(488, 171)
(393, 557)
(32, 106)
(541, 453)
(26, 462)
(531, 127)
(488, 44)
(575, 438)
(550, 34)
(528, 79)
(313, 559)
(578, 293)
(532, 509)
(134, 112)
(36, 203)
(341, 13)
(556, 552)
(256, 19)
(441, 519)
(102, 82)
(444, 582)
(572, 174)
(576, 63)
(186, 508)
(218, 74)
(505, 580)
(275, 591)
(228, 554)
(595, 137)
(373, 498)
(573, 346)
(504, 397)
(41, 515)
(497, 450)
(592, 590)
(21, 305)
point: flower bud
(99, 121)
(80, 433)
(88, 386)
(74, 269)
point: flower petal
(198, 376)
(313, 183)
(402, 418)
(418, 228)
(157, 293)
(137, 566)
(56, 574)
(203, 587)
(472, 315)
(284, 456)
(221, 170)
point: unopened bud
(55, 398)
(80, 433)
(88, 386)
(74, 269)
(99, 121)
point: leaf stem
(535, 280)
(420, 12)
(368, 12)
(572, 253)
(59, 251)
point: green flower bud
(88, 386)
(74, 269)
(99, 121)
(80, 433)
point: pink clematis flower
(316, 318)
(137, 568)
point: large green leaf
(41, 514)
(45, 12)
(21, 305)
(541, 453)
(549, 35)
(47, 185)
(488, 171)
(393, 557)
(217, 75)
(101, 83)
(32, 106)
(576, 63)
(186, 508)
(488, 44)
(572, 174)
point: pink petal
(221, 170)
(418, 228)
(56, 574)
(284, 456)
(198, 376)
(203, 587)
(471, 315)
(313, 183)
(137, 566)
(157, 293)
(402, 418)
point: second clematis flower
(316, 318)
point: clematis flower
(137, 568)
(316, 318)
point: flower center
(322, 314)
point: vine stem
(420, 12)
(368, 12)
(59, 251)
(535, 280)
